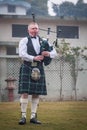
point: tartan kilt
(28, 85)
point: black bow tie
(33, 37)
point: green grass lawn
(53, 115)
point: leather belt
(33, 64)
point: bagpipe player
(31, 76)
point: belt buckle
(33, 64)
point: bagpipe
(44, 46)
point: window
(19, 30)
(11, 50)
(11, 8)
(68, 32)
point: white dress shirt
(23, 49)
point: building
(13, 26)
(12, 7)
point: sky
(49, 4)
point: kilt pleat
(28, 85)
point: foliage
(70, 53)
(66, 9)
(39, 7)
(80, 1)
(70, 9)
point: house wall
(82, 41)
(6, 29)
(19, 10)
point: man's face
(33, 29)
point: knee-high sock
(34, 105)
(23, 103)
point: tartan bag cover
(26, 83)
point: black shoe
(22, 121)
(34, 121)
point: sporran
(35, 74)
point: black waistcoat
(30, 48)
(31, 51)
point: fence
(60, 79)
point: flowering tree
(71, 55)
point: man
(32, 78)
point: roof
(15, 2)
(49, 18)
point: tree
(38, 7)
(80, 2)
(66, 8)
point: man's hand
(45, 53)
(38, 58)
